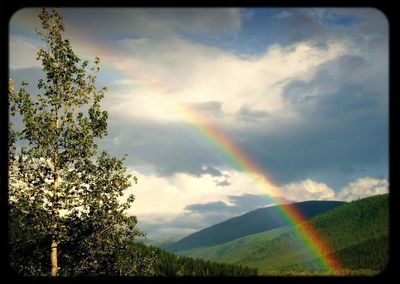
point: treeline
(169, 264)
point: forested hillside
(357, 232)
(253, 222)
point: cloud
(192, 202)
(341, 111)
(170, 74)
(156, 193)
(197, 211)
(251, 103)
(297, 109)
(307, 190)
(218, 87)
(363, 187)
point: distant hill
(161, 243)
(253, 222)
(358, 233)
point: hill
(357, 232)
(253, 222)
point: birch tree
(67, 214)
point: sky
(301, 92)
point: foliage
(63, 192)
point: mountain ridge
(357, 232)
(253, 222)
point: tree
(67, 199)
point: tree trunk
(54, 244)
(53, 256)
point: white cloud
(363, 187)
(167, 77)
(168, 196)
(160, 201)
(307, 190)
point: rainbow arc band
(305, 232)
(309, 235)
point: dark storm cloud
(339, 89)
(343, 126)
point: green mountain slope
(253, 222)
(235, 250)
(357, 232)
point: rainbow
(304, 231)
